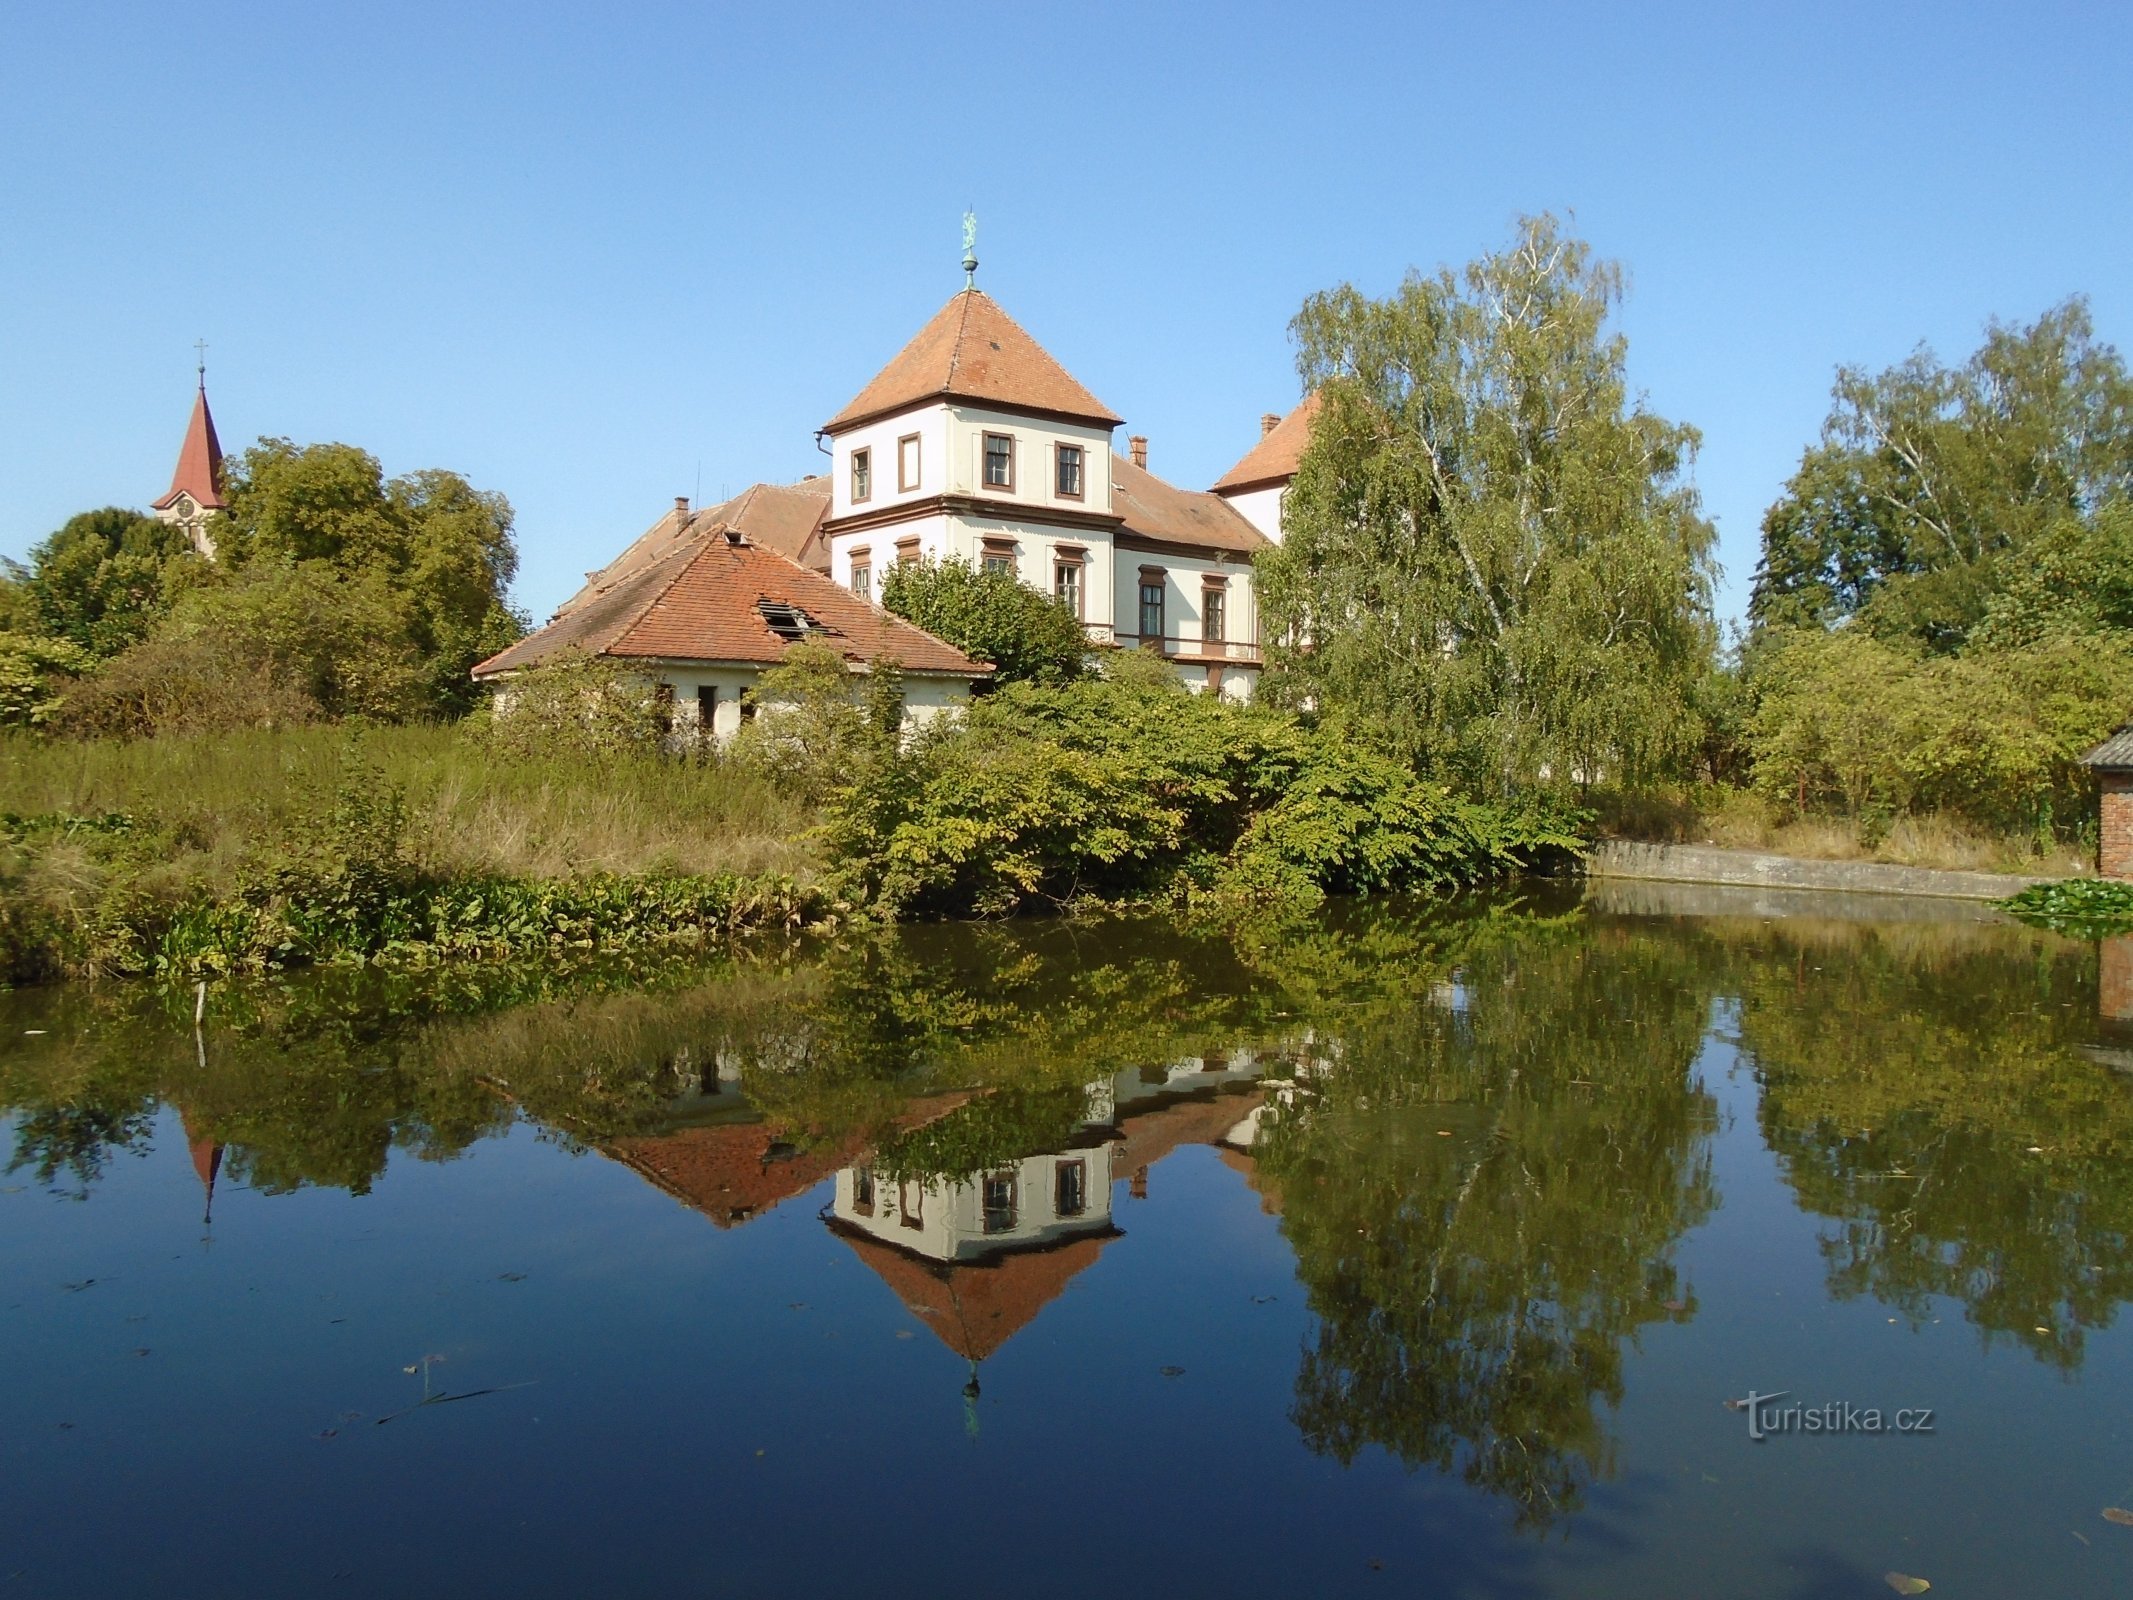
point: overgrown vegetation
(989, 616)
(2086, 908)
(256, 850)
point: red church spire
(199, 473)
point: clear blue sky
(583, 254)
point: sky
(597, 257)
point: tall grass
(1741, 820)
(222, 852)
(468, 808)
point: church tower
(195, 495)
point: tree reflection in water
(1485, 1132)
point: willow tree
(1493, 555)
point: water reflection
(1485, 1133)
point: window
(1071, 1189)
(1214, 615)
(862, 580)
(906, 552)
(706, 709)
(863, 1190)
(998, 555)
(862, 476)
(907, 462)
(910, 1197)
(663, 707)
(1152, 608)
(1068, 474)
(999, 1202)
(1066, 585)
(999, 461)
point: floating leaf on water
(511, 1277)
(2119, 1515)
(903, 1333)
(1173, 1372)
(326, 1433)
(1904, 1583)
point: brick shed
(2112, 762)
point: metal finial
(200, 349)
(970, 249)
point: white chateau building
(972, 444)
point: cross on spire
(970, 249)
(200, 350)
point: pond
(1409, 1249)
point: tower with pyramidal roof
(194, 498)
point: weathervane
(200, 349)
(970, 249)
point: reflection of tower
(977, 1258)
(207, 1162)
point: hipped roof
(199, 471)
(702, 602)
(1158, 510)
(783, 517)
(974, 351)
(1275, 458)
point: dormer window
(907, 463)
(862, 476)
(999, 461)
(1067, 472)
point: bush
(34, 675)
(183, 685)
(817, 721)
(1127, 788)
(575, 705)
(1845, 721)
(990, 616)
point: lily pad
(1904, 1583)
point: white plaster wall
(1182, 592)
(929, 422)
(932, 533)
(1261, 508)
(1035, 482)
(1037, 548)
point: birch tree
(1494, 557)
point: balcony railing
(1192, 649)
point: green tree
(1027, 636)
(430, 544)
(34, 674)
(102, 581)
(1929, 478)
(1494, 556)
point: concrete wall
(1699, 864)
(2114, 843)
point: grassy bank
(260, 850)
(1738, 819)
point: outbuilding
(2112, 762)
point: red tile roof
(783, 517)
(199, 471)
(702, 602)
(1275, 458)
(972, 350)
(974, 1307)
(726, 1172)
(1158, 510)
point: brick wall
(2114, 979)
(2114, 853)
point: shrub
(34, 675)
(990, 616)
(575, 704)
(817, 720)
(1126, 788)
(183, 685)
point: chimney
(681, 511)
(1268, 422)
(1137, 450)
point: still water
(1403, 1251)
